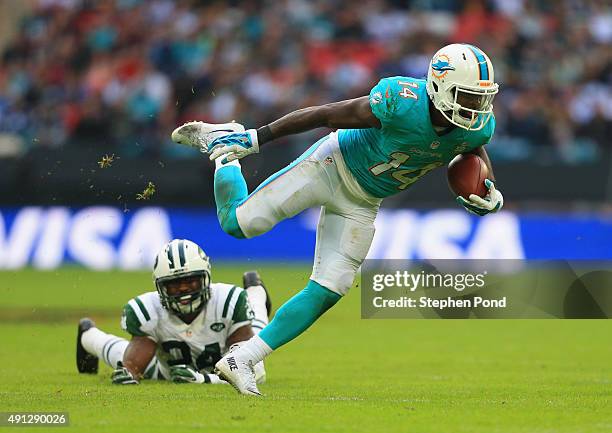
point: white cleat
(238, 372)
(199, 134)
(260, 372)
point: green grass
(343, 375)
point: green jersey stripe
(242, 309)
(144, 311)
(227, 301)
(132, 322)
(136, 311)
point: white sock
(255, 349)
(107, 347)
(219, 165)
(257, 299)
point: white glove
(186, 374)
(234, 146)
(492, 202)
(122, 376)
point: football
(466, 175)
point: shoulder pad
(140, 314)
(394, 97)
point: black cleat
(252, 278)
(86, 362)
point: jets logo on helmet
(461, 85)
(182, 259)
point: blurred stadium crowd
(119, 75)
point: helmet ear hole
(435, 86)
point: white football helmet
(181, 258)
(460, 83)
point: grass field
(344, 375)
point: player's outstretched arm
(349, 114)
(137, 356)
(352, 113)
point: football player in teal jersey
(384, 143)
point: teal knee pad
(298, 313)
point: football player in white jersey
(181, 330)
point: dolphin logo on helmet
(441, 64)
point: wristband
(264, 134)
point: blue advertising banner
(102, 237)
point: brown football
(466, 175)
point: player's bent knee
(335, 279)
(232, 231)
(229, 222)
(255, 217)
(259, 225)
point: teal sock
(230, 191)
(298, 313)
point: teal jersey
(388, 160)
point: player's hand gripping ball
(490, 203)
(468, 178)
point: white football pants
(319, 177)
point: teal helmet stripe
(482, 62)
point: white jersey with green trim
(200, 343)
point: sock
(230, 191)
(297, 314)
(255, 349)
(257, 299)
(219, 164)
(107, 347)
